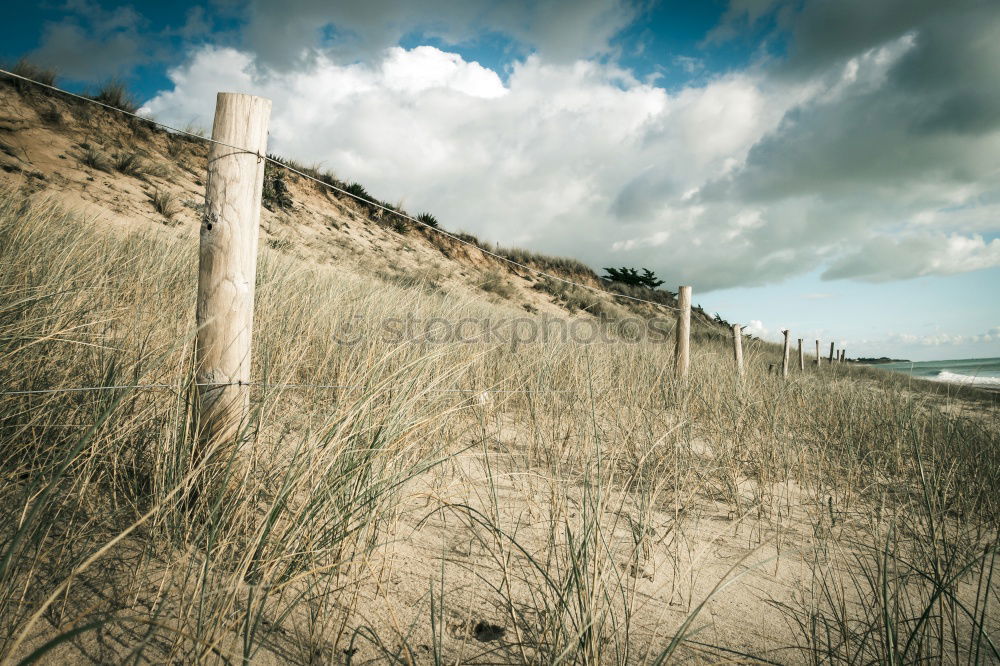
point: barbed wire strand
(362, 200)
(440, 390)
(82, 389)
(114, 387)
(346, 387)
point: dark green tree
(632, 277)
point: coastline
(979, 373)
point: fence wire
(344, 387)
(344, 192)
(347, 193)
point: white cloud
(742, 179)
(946, 339)
(689, 64)
(757, 329)
(885, 258)
(565, 158)
(425, 68)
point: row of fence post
(682, 349)
(228, 261)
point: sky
(828, 167)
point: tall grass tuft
(116, 94)
(165, 203)
(30, 70)
(95, 159)
(130, 163)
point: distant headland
(881, 359)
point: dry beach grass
(837, 517)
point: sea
(983, 372)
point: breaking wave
(956, 378)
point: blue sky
(829, 167)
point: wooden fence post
(784, 357)
(227, 266)
(831, 353)
(802, 357)
(682, 351)
(738, 348)
(819, 359)
(843, 355)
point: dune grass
(29, 70)
(539, 486)
(116, 94)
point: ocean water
(976, 371)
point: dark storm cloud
(639, 198)
(950, 74)
(92, 43)
(823, 33)
(921, 122)
(908, 121)
(280, 33)
(75, 54)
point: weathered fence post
(784, 357)
(738, 348)
(843, 355)
(831, 353)
(227, 266)
(819, 359)
(682, 351)
(802, 357)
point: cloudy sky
(828, 166)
